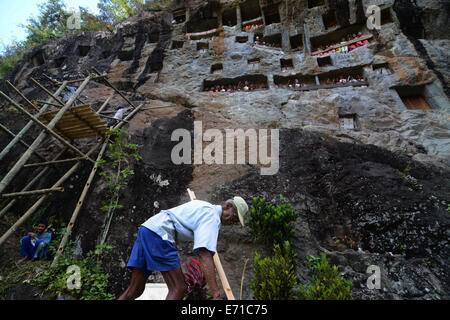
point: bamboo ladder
(217, 263)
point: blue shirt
(195, 220)
(46, 237)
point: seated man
(34, 246)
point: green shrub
(326, 283)
(271, 224)
(275, 277)
(93, 280)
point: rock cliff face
(343, 148)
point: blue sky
(16, 12)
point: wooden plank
(48, 163)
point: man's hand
(31, 234)
(208, 269)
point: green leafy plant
(275, 276)
(326, 284)
(94, 281)
(118, 173)
(271, 224)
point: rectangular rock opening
(386, 16)
(38, 59)
(315, 3)
(271, 14)
(156, 66)
(250, 10)
(179, 16)
(342, 40)
(413, 97)
(153, 37)
(241, 39)
(296, 42)
(382, 68)
(329, 20)
(229, 17)
(59, 62)
(177, 44)
(348, 121)
(126, 55)
(345, 76)
(216, 68)
(242, 83)
(203, 19)
(286, 64)
(294, 81)
(324, 61)
(273, 41)
(83, 50)
(202, 46)
(253, 64)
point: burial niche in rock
(38, 59)
(83, 50)
(286, 64)
(315, 3)
(324, 61)
(241, 39)
(216, 68)
(271, 14)
(348, 121)
(329, 20)
(296, 42)
(229, 17)
(177, 44)
(243, 83)
(250, 10)
(382, 68)
(253, 63)
(413, 97)
(386, 16)
(179, 15)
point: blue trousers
(32, 249)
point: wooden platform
(78, 123)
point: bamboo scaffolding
(62, 104)
(28, 126)
(48, 129)
(115, 89)
(79, 205)
(36, 205)
(217, 263)
(26, 145)
(32, 193)
(104, 105)
(48, 163)
(99, 77)
(85, 191)
(21, 162)
(26, 100)
(30, 184)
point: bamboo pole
(106, 103)
(23, 97)
(32, 193)
(79, 205)
(100, 76)
(31, 183)
(217, 263)
(28, 126)
(115, 89)
(48, 163)
(62, 104)
(36, 205)
(21, 141)
(48, 129)
(21, 162)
